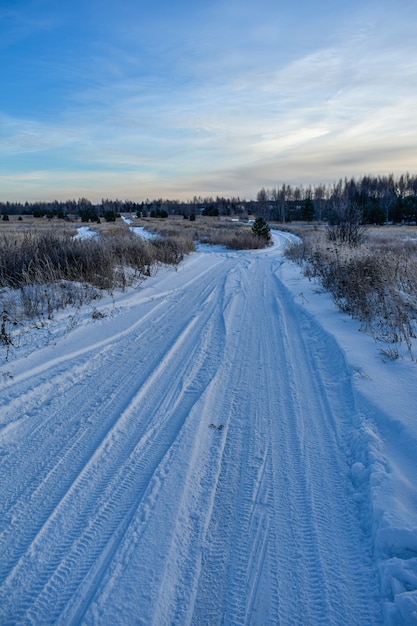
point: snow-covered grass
(219, 445)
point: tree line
(109, 209)
(376, 199)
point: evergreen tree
(308, 210)
(261, 228)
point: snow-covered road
(187, 460)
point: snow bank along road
(187, 460)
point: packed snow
(140, 231)
(219, 445)
(85, 232)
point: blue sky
(141, 99)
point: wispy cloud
(216, 95)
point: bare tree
(346, 224)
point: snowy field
(219, 446)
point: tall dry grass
(208, 230)
(42, 271)
(375, 282)
(105, 263)
(44, 268)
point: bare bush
(297, 251)
(5, 334)
(346, 225)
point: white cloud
(226, 104)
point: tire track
(143, 509)
(328, 532)
(284, 544)
(142, 445)
(99, 403)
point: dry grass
(43, 268)
(375, 282)
(16, 227)
(211, 230)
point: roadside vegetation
(374, 280)
(44, 267)
(235, 235)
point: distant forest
(380, 200)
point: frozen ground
(223, 447)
